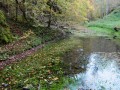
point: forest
(59, 44)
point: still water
(95, 66)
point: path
(20, 56)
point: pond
(95, 66)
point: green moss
(5, 34)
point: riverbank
(44, 67)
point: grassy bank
(106, 25)
(44, 68)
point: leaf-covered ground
(42, 70)
(26, 37)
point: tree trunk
(24, 11)
(16, 16)
(22, 8)
(107, 7)
(50, 17)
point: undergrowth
(25, 38)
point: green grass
(107, 24)
(45, 67)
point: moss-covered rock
(5, 34)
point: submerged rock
(28, 87)
(81, 89)
(5, 85)
(114, 37)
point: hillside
(107, 24)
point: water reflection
(99, 44)
(77, 59)
(102, 73)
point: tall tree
(16, 14)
